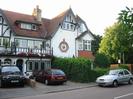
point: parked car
(51, 76)
(115, 77)
(11, 75)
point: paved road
(8, 93)
(122, 92)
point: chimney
(37, 13)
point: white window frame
(87, 43)
(84, 45)
(34, 27)
(28, 26)
(2, 41)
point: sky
(98, 14)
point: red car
(52, 76)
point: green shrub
(101, 71)
(76, 69)
(123, 66)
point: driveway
(6, 93)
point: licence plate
(14, 81)
(60, 77)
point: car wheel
(130, 81)
(115, 83)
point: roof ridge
(62, 13)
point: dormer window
(28, 26)
(34, 27)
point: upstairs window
(34, 27)
(84, 45)
(28, 26)
(68, 26)
(4, 41)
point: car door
(121, 77)
(127, 75)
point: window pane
(37, 44)
(29, 66)
(26, 26)
(34, 27)
(36, 65)
(67, 26)
(30, 44)
(42, 66)
(48, 64)
(23, 43)
(6, 42)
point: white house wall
(88, 36)
(5, 26)
(69, 37)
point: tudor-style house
(28, 41)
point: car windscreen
(10, 70)
(58, 72)
(113, 72)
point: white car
(115, 77)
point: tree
(115, 43)
(95, 43)
(118, 39)
(126, 18)
(101, 60)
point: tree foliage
(95, 43)
(101, 60)
(126, 18)
(118, 38)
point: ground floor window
(38, 65)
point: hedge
(76, 69)
(101, 71)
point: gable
(44, 29)
(15, 19)
(4, 27)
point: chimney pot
(37, 13)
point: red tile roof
(12, 17)
(46, 27)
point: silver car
(115, 77)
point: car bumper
(104, 83)
(57, 81)
(13, 81)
